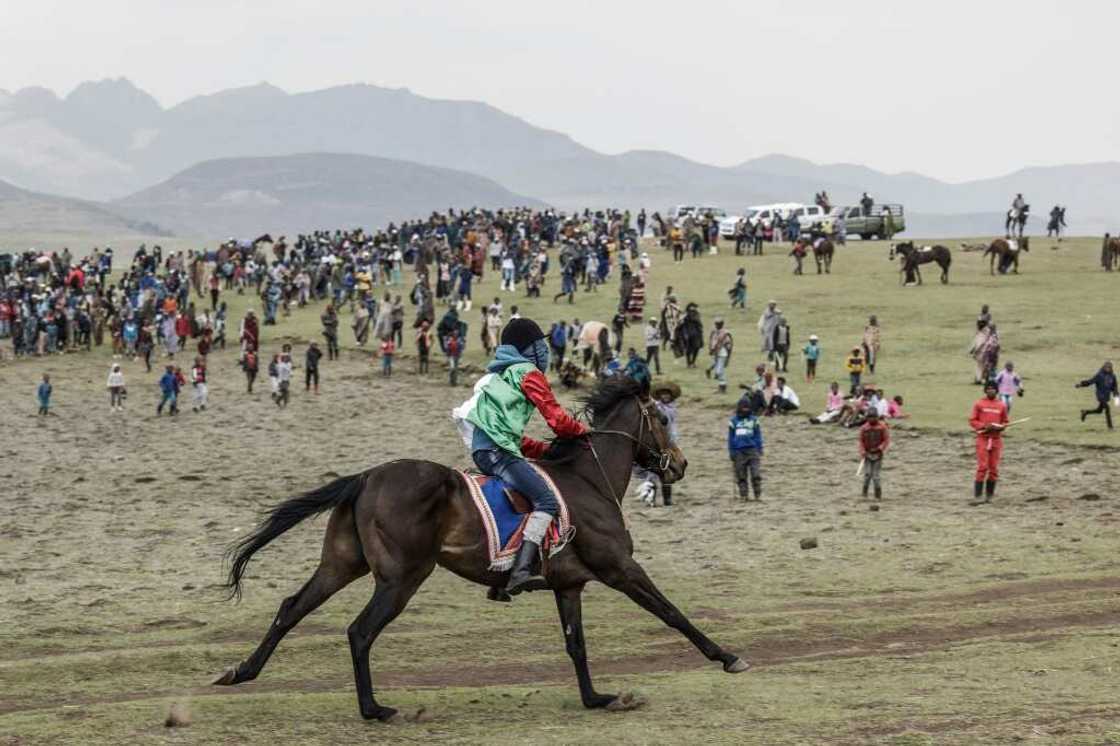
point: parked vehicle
(867, 226)
(807, 215)
(679, 212)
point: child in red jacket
(874, 440)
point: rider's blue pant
(514, 471)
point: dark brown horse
(1110, 252)
(401, 519)
(913, 257)
(822, 254)
(1007, 254)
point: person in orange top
(988, 419)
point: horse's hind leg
(570, 605)
(632, 580)
(389, 600)
(341, 564)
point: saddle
(504, 513)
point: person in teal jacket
(493, 422)
(43, 393)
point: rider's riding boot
(866, 487)
(977, 489)
(991, 489)
(497, 593)
(757, 485)
(878, 492)
(524, 575)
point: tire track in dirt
(1004, 592)
(765, 652)
(917, 606)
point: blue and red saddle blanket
(504, 514)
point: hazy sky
(953, 89)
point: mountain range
(110, 141)
(243, 196)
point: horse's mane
(607, 394)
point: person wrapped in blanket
(492, 423)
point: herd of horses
(1004, 253)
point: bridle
(663, 457)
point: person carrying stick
(988, 421)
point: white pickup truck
(763, 215)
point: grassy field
(925, 621)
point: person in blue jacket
(744, 445)
(168, 387)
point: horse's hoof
(382, 714)
(228, 678)
(736, 666)
(625, 703)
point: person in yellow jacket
(855, 364)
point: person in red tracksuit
(989, 418)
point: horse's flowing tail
(286, 515)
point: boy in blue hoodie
(168, 387)
(493, 423)
(744, 444)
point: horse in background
(913, 257)
(1006, 251)
(823, 251)
(1016, 219)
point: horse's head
(622, 405)
(656, 451)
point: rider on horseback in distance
(493, 422)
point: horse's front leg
(570, 605)
(629, 578)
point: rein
(663, 457)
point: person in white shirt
(284, 377)
(786, 399)
(882, 403)
(653, 343)
(115, 385)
